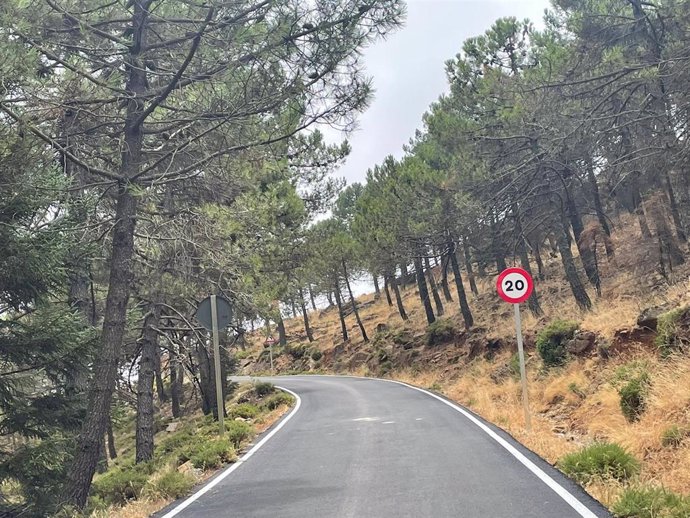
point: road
(372, 448)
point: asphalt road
(371, 448)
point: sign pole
(216, 361)
(523, 373)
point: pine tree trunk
(102, 465)
(497, 247)
(354, 303)
(533, 301)
(160, 388)
(675, 213)
(393, 281)
(294, 308)
(639, 209)
(386, 283)
(282, 336)
(341, 315)
(598, 207)
(460, 288)
(112, 451)
(144, 422)
(307, 329)
(434, 287)
(445, 262)
(377, 289)
(468, 266)
(208, 393)
(423, 291)
(311, 298)
(83, 466)
(175, 384)
(587, 255)
(329, 296)
(563, 243)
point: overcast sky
(408, 72)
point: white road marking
(237, 464)
(366, 419)
(418, 419)
(389, 422)
(571, 500)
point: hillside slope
(613, 366)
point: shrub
(668, 337)
(172, 484)
(316, 355)
(296, 351)
(120, 484)
(245, 410)
(175, 441)
(214, 453)
(604, 460)
(277, 400)
(551, 341)
(238, 432)
(514, 366)
(633, 396)
(673, 436)
(402, 337)
(651, 503)
(263, 388)
(441, 331)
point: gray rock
(382, 328)
(581, 342)
(649, 318)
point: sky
(408, 72)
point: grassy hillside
(621, 384)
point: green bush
(673, 436)
(263, 388)
(277, 400)
(600, 460)
(238, 432)
(402, 337)
(172, 484)
(119, 485)
(245, 410)
(651, 503)
(316, 354)
(441, 331)
(514, 366)
(633, 396)
(214, 453)
(668, 338)
(297, 351)
(175, 441)
(551, 341)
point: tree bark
(311, 298)
(423, 291)
(497, 247)
(468, 266)
(533, 301)
(329, 296)
(460, 288)
(160, 388)
(208, 393)
(80, 472)
(354, 303)
(377, 289)
(175, 385)
(393, 281)
(112, 451)
(341, 315)
(144, 421)
(587, 255)
(563, 243)
(598, 207)
(434, 287)
(307, 329)
(675, 213)
(282, 335)
(386, 282)
(445, 262)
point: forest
(153, 152)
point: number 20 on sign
(515, 285)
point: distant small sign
(270, 341)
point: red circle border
(525, 274)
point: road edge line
(219, 478)
(566, 495)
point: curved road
(378, 449)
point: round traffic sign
(514, 285)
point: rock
(186, 469)
(581, 342)
(382, 328)
(241, 419)
(649, 318)
(172, 427)
(359, 359)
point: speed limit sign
(514, 285)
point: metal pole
(523, 372)
(216, 361)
